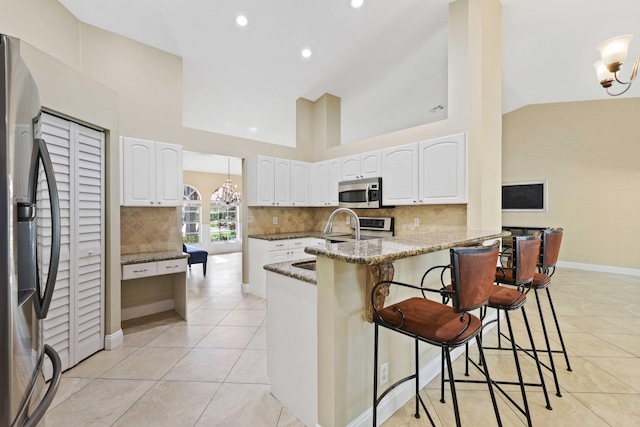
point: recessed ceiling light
(306, 52)
(357, 3)
(253, 129)
(242, 21)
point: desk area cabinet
(151, 173)
(154, 282)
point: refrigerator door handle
(44, 404)
(40, 152)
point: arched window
(224, 222)
(191, 214)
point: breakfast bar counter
(336, 315)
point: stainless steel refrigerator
(30, 239)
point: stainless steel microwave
(360, 193)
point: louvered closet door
(75, 324)
(89, 208)
(58, 326)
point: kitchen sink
(307, 265)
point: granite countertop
(297, 235)
(152, 256)
(287, 269)
(378, 251)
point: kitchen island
(344, 353)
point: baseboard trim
(399, 397)
(245, 288)
(114, 340)
(600, 268)
(146, 309)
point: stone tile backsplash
(144, 230)
(431, 217)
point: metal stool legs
(549, 351)
(451, 380)
(377, 400)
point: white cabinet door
(168, 174)
(260, 181)
(443, 170)
(282, 189)
(365, 165)
(400, 175)
(335, 173)
(139, 178)
(371, 164)
(319, 183)
(300, 194)
(350, 167)
(324, 178)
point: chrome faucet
(327, 229)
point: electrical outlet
(275, 220)
(416, 222)
(348, 220)
(384, 373)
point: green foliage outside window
(223, 222)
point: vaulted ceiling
(386, 60)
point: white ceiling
(387, 61)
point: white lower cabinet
(292, 347)
(74, 326)
(270, 252)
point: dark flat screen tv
(524, 196)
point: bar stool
(549, 252)
(472, 275)
(520, 273)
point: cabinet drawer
(135, 271)
(171, 266)
(277, 245)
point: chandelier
(614, 53)
(228, 193)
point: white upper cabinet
(428, 172)
(269, 181)
(319, 183)
(151, 173)
(400, 175)
(335, 173)
(365, 165)
(282, 190)
(324, 178)
(351, 167)
(443, 170)
(168, 174)
(300, 194)
(260, 181)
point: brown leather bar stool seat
(448, 327)
(521, 270)
(522, 273)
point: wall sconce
(614, 53)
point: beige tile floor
(212, 371)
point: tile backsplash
(431, 218)
(145, 230)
